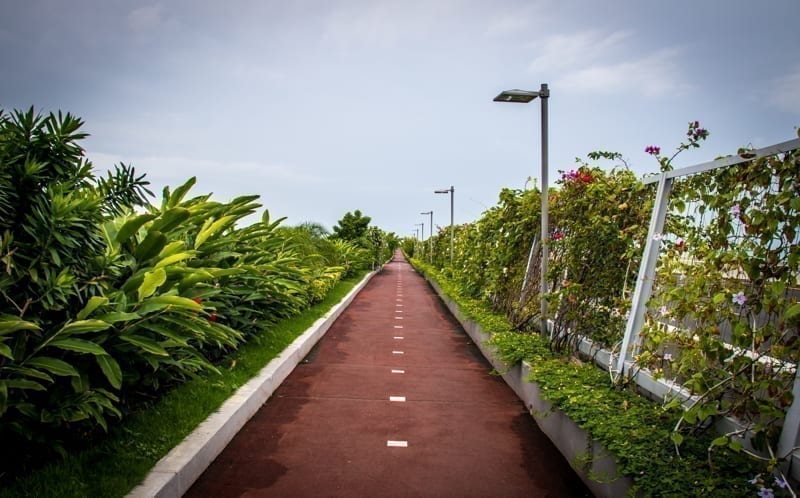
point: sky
(324, 107)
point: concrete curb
(588, 457)
(175, 473)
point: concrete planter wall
(572, 441)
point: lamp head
(517, 96)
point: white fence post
(644, 282)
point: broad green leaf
(146, 344)
(676, 438)
(177, 196)
(195, 278)
(210, 229)
(172, 248)
(83, 326)
(94, 303)
(80, 383)
(793, 311)
(78, 345)
(30, 372)
(132, 226)
(24, 384)
(158, 303)
(118, 316)
(150, 246)
(174, 259)
(53, 365)
(176, 337)
(9, 324)
(152, 281)
(170, 219)
(5, 350)
(110, 369)
(720, 441)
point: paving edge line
(573, 442)
(175, 473)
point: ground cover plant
(635, 430)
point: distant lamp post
(523, 97)
(430, 234)
(452, 192)
(422, 230)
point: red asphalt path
(394, 401)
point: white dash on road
(397, 444)
(398, 399)
(397, 352)
(398, 326)
(394, 371)
(399, 337)
(398, 318)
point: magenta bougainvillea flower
(653, 150)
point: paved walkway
(395, 401)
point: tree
(352, 226)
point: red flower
(213, 317)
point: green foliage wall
(106, 299)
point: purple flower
(653, 150)
(781, 483)
(755, 479)
(739, 298)
(766, 493)
(735, 210)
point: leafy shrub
(106, 300)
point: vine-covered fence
(709, 321)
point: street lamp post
(452, 192)
(430, 234)
(523, 97)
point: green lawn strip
(119, 463)
(633, 429)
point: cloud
(589, 62)
(229, 177)
(560, 52)
(654, 75)
(145, 19)
(506, 24)
(384, 23)
(785, 93)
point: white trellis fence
(790, 437)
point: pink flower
(735, 210)
(653, 150)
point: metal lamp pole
(430, 234)
(451, 191)
(523, 97)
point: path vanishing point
(394, 401)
